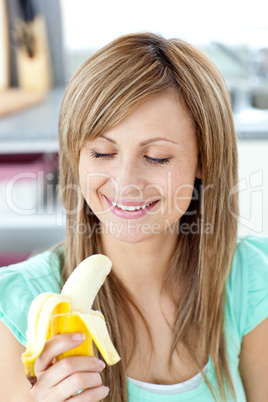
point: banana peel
(71, 311)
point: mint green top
(246, 307)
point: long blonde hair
(104, 90)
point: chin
(130, 232)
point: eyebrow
(154, 139)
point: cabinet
(33, 131)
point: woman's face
(138, 177)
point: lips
(130, 209)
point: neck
(141, 266)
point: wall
(253, 175)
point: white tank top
(173, 389)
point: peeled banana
(70, 311)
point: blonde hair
(104, 90)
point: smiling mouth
(132, 208)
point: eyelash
(152, 161)
(95, 154)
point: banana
(71, 311)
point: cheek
(93, 176)
(83, 178)
(89, 180)
(182, 197)
(90, 183)
(181, 190)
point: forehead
(163, 116)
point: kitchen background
(41, 45)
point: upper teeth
(130, 208)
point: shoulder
(38, 273)
(253, 246)
(247, 287)
(250, 260)
(21, 283)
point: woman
(148, 168)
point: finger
(76, 382)
(56, 345)
(68, 366)
(92, 395)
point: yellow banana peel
(71, 311)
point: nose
(129, 179)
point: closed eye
(157, 161)
(150, 160)
(95, 154)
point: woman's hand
(61, 381)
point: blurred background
(42, 42)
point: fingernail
(102, 364)
(107, 389)
(79, 336)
